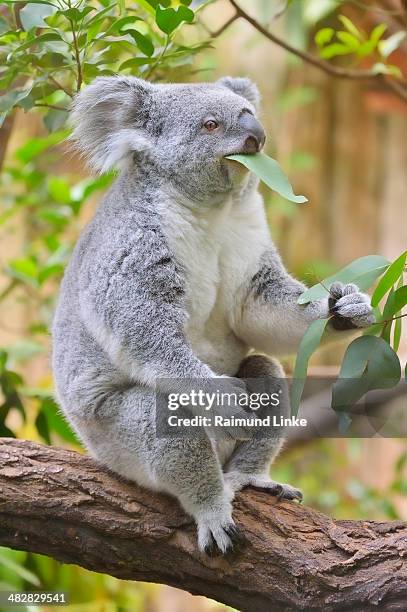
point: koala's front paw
(350, 307)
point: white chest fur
(219, 247)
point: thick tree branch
(397, 87)
(64, 505)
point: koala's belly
(211, 338)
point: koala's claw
(220, 539)
(350, 308)
(289, 493)
(210, 549)
(277, 489)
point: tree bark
(64, 505)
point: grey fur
(121, 325)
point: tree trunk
(64, 505)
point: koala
(176, 277)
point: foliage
(49, 48)
(370, 362)
(353, 41)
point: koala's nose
(255, 136)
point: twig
(77, 54)
(393, 319)
(53, 106)
(53, 79)
(225, 26)
(335, 71)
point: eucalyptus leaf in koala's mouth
(271, 173)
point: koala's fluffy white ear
(108, 118)
(243, 87)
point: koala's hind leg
(250, 462)
(121, 433)
(190, 470)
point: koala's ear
(108, 118)
(243, 87)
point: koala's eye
(211, 125)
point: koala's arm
(271, 320)
(131, 301)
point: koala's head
(183, 131)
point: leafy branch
(398, 87)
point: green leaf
(35, 40)
(169, 19)
(149, 6)
(377, 33)
(324, 36)
(397, 334)
(24, 269)
(13, 97)
(389, 279)
(334, 50)
(386, 47)
(308, 345)
(363, 272)
(398, 302)
(19, 570)
(347, 23)
(143, 42)
(349, 40)
(59, 189)
(118, 25)
(35, 146)
(270, 172)
(136, 62)
(32, 15)
(369, 363)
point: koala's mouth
(243, 151)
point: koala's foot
(350, 307)
(238, 481)
(218, 534)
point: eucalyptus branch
(336, 71)
(391, 320)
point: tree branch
(62, 504)
(335, 71)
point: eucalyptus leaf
(363, 272)
(389, 279)
(13, 97)
(169, 19)
(143, 42)
(369, 363)
(271, 173)
(308, 345)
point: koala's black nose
(255, 136)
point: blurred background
(343, 144)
